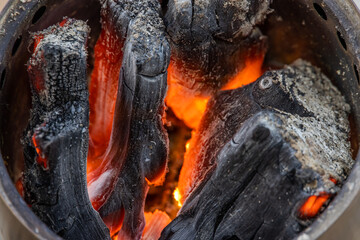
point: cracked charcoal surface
(327, 131)
(291, 135)
(142, 88)
(212, 39)
(57, 193)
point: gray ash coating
(321, 140)
(199, 20)
(140, 23)
(57, 132)
(57, 67)
(260, 152)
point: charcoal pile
(285, 140)
(57, 137)
(265, 157)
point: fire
(313, 205)
(40, 159)
(190, 109)
(177, 197)
(103, 91)
(187, 146)
(251, 72)
(102, 98)
(187, 106)
(154, 224)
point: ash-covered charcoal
(139, 108)
(290, 143)
(56, 140)
(211, 40)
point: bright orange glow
(63, 22)
(40, 159)
(103, 92)
(114, 221)
(20, 187)
(187, 146)
(313, 205)
(187, 108)
(333, 180)
(177, 197)
(251, 72)
(155, 223)
(37, 40)
(191, 109)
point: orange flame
(251, 72)
(177, 197)
(155, 223)
(39, 158)
(103, 92)
(190, 109)
(313, 205)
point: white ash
(321, 142)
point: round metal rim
(340, 213)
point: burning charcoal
(290, 144)
(104, 166)
(103, 91)
(212, 39)
(155, 223)
(212, 43)
(56, 140)
(139, 142)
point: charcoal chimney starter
(325, 33)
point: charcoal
(142, 88)
(211, 40)
(260, 151)
(56, 139)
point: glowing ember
(177, 197)
(103, 90)
(191, 109)
(313, 205)
(155, 223)
(116, 217)
(20, 187)
(40, 159)
(187, 146)
(251, 72)
(333, 180)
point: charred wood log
(212, 39)
(232, 109)
(290, 140)
(56, 139)
(152, 53)
(139, 107)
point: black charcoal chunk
(276, 141)
(142, 89)
(56, 140)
